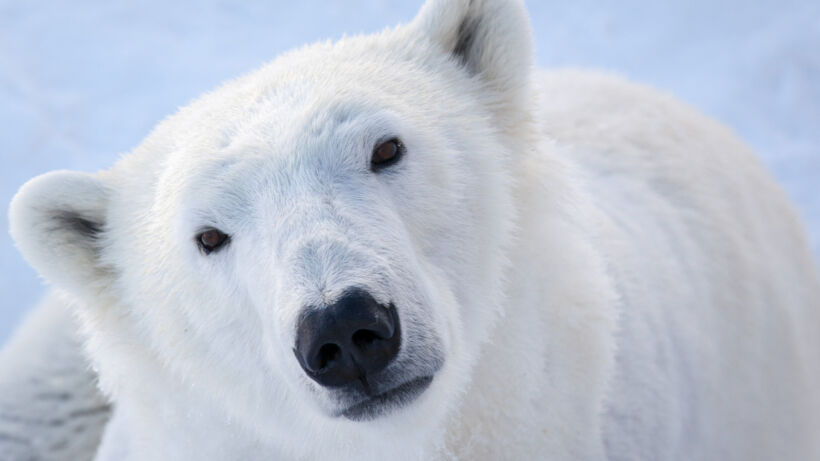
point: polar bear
(414, 246)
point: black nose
(348, 340)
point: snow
(83, 81)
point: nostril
(365, 338)
(328, 354)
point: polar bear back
(721, 304)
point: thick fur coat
(588, 269)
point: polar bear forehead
(324, 99)
(314, 148)
(334, 79)
(259, 133)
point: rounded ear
(57, 221)
(489, 38)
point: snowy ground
(83, 81)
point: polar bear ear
(57, 221)
(489, 38)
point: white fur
(604, 272)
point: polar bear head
(317, 246)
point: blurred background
(82, 82)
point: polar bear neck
(571, 334)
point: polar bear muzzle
(346, 345)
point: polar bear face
(317, 244)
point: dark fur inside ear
(491, 39)
(466, 38)
(85, 227)
(58, 221)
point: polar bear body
(693, 221)
(585, 268)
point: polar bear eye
(386, 153)
(211, 240)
